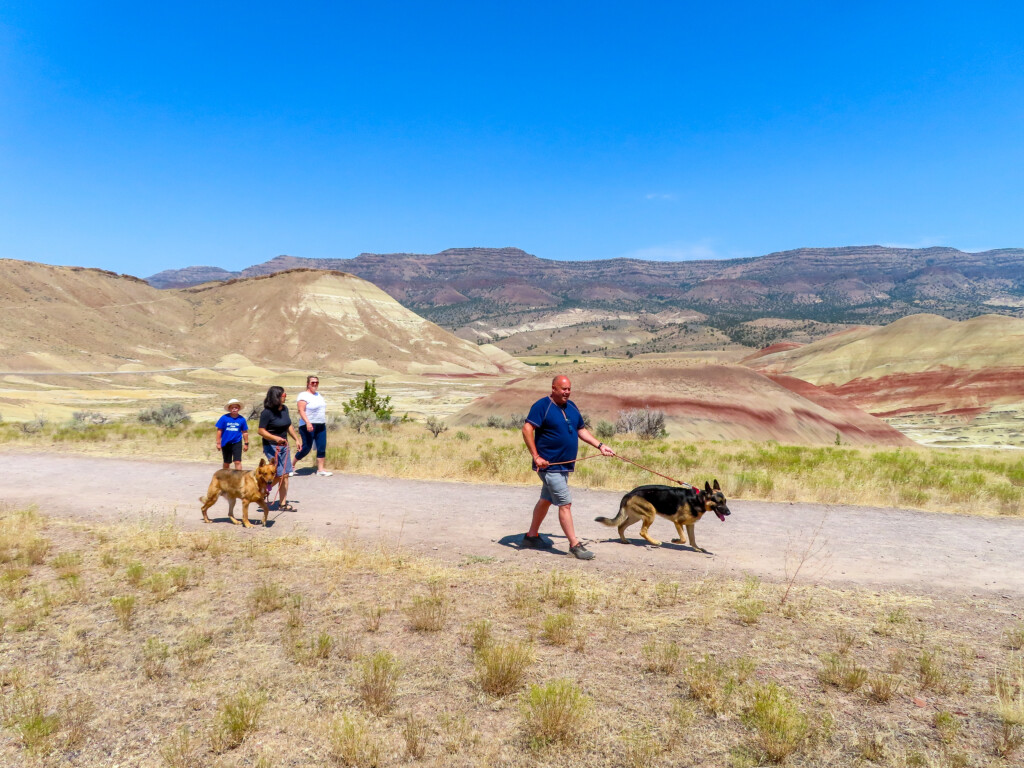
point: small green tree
(436, 425)
(369, 400)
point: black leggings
(317, 436)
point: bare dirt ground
(876, 548)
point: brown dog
(683, 506)
(250, 487)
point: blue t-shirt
(232, 428)
(556, 432)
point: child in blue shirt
(232, 434)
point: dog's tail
(616, 521)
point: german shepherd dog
(683, 506)
(250, 487)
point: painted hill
(73, 319)
(706, 402)
(333, 321)
(919, 364)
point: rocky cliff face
(189, 276)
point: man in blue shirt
(552, 432)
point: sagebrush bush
(124, 610)
(376, 681)
(238, 716)
(166, 415)
(436, 426)
(554, 712)
(661, 657)
(352, 743)
(645, 423)
(779, 725)
(501, 667)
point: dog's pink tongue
(720, 515)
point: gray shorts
(556, 488)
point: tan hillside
(69, 318)
(705, 402)
(332, 321)
(72, 319)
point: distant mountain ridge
(855, 284)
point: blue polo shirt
(556, 432)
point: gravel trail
(878, 548)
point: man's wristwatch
(600, 446)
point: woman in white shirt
(313, 423)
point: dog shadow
(256, 523)
(665, 544)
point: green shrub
(369, 400)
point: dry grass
(926, 478)
(259, 652)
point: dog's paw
(235, 521)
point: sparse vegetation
(227, 656)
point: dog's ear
(707, 488)
(262, 462)
(716, 486)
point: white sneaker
(292, 474)
(324, 473)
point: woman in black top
(275, 426)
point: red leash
(628, 461)
(277, 454)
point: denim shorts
(284, 457)
(556, 487)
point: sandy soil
(845, 546)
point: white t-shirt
(316, 407)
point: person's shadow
(515, 541)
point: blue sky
(139, 137)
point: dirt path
(868, 547)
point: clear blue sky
(144, 136)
